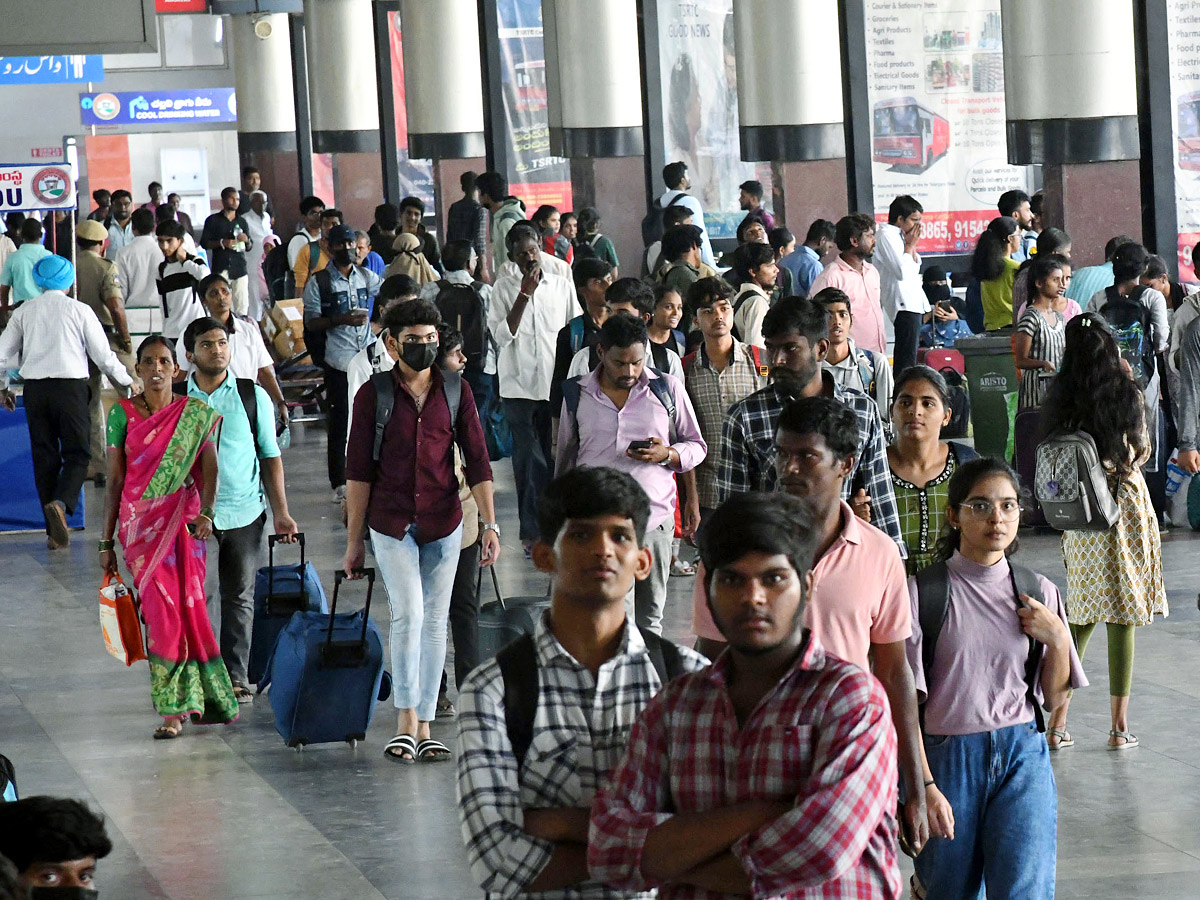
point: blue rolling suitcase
(280, 591)
(326, 674)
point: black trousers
(908, 335)
(464, 615)
(57, 410)
(337, 419)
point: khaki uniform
(96, 282)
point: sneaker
(339, 494)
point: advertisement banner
(935, 79)
(699, 109)
(533, 175)
(50, 69)
(416, 175)
(1183, 18)
(28, 188)
(210, 105)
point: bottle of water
(1175, 476)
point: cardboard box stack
(284, 327)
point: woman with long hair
(1113, 576)
(920, 462)
(997, 650)
(1050, 241)
(548, 221)
(1038, 343)
(410, 260)
(589, 233)
(994, 268)
(162, 482)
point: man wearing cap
(337, 301)
(97, 285)
(52, 337)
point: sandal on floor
(680, 567)
(1061, 739)
(445, 708)
(242, 694)
(400, 745)
(170, 728)
(1128, 740)
(430, 750)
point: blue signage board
(211, 105)
(50, 69)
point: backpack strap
(662, 390)
(664, 655)
(763, 371)
(519, 673)
(933, 605)
(385, 402)
(1025, 581)
(577, 334)
(325, 288)
(688, 360)
(866, 371)
(245, 389)
(452, 387)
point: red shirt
(414, 482)
(822, 738)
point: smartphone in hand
(641, 445)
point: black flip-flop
(402, 743)
(430, 750)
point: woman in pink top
(987, 657)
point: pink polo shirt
(863, 291)
(859, 597)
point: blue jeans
(532, 461)
(418, 578)
(1001, 788)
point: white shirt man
(900, 288)
(137, 271)
(525, 362)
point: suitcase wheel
(353, 742)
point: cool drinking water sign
(26, 188)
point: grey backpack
(1071, 484)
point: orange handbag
(119, 621)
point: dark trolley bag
(280, 591)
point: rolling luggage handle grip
(272, 540)
(340, 576)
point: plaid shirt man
(579, 732)
(748, 452)
(822, 736)
(712, 394)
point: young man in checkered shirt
(772, 773)
(525, 803)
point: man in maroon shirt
(404, 488)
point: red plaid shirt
(823, 736)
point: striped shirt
(821, 739)
(747, 451)
(1049, 339)
(177, 283)
(580, 731)
(712, 393)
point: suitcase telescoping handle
(272, 540)
(495, 584)
(338, 578)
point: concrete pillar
(810, 190)
(795, 116)
(1093, 202)
(1070, 84)
(443, 81)
(593, 77)
(262, 73)
(342, 81)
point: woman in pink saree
(162, 479)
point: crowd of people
(883, 677)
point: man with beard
(639, 421)
(796, 335)
(119, 223)
(772, 772)
(852, 273)
(249, 461)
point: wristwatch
(666, 463)
(491, 526)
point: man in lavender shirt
(639, 421)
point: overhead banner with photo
(935, 80)
(533, 174)
(1184, 45)
(416, 175)
(700, 108)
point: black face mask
(343, 257)
(937, 292)
(418, 357)
(63, 893)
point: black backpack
(519, 672)
(1130, 322)
(960, 404)
(652, 224)
(462, 309)
(8, 781)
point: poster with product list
(935, 76)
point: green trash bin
(991, 374)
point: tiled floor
(232, 813)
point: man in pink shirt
(860, 608)
(852, 273)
